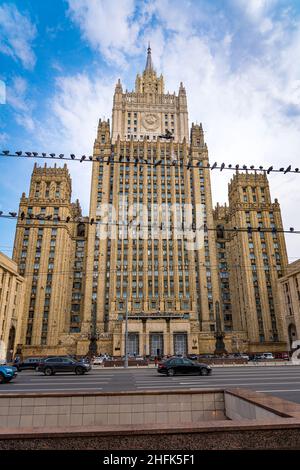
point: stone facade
(11, 306)
(158, 264)
(255, 259)
(289, 290)
(49, 242)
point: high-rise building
(11, 306)
(152, 250)
(46, 249)
(256, 258)
(289, 290)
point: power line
(144, 161)
(161, 226)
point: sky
(239, 61)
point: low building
(11, 306)
(290, 301)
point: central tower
(148, 111)
(139, 257)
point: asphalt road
(282, 381)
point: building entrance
(156, 344)
(180, 344)
(133, 344)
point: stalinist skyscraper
(152, 248)
(169, 290)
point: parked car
(193, 357)
(29, 363)
(241, 356)
(282, 355)
(98, 361)
(7, 373)
(51, 365)
(137, 358)
(182, 365)
(266, 356)
(256, 357)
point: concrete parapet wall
(237, 408)
(111, 409)
(206, 419)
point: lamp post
(219, 335)
(126, 335)
(93, 335)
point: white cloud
(255, 9)
(107, 25)
(17, 97)
(251, 114)
(17, 33)
(249, 105)
(3, 137)
(75, 108)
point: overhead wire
(161, 226)
(144, 161)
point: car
(51, 365)
(256, 357)
(182, 365)
(7, 373)
(27, 364)
(282, 355)
(136, 358)
(193, 357)
(267, 356)
(241, 356)
(98, 360)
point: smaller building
(11, 306)
(290, 301)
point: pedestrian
(155, 361)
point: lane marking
(62, 383)
(278, 391)
(68, 378)
(237, 383)
(52, 390)
(230, 381)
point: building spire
(149, 65)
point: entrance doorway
(11, 343)
(156, 344)
(292, 334)
(180, 344)
(133, 344)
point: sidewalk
(250, 364)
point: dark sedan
(29, 363)
(63, 364)
(179, 365)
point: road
(282, 381)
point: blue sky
(239, 61)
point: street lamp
(219, 335)
(93, 336)
(126, 335)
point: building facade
(153, 250)
(289, 290)
(256, 258)
(12, 290)
(48, 249)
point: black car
(51, 365)
(182, 365)
(193, 357)
(27, 364)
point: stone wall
(111, 409)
